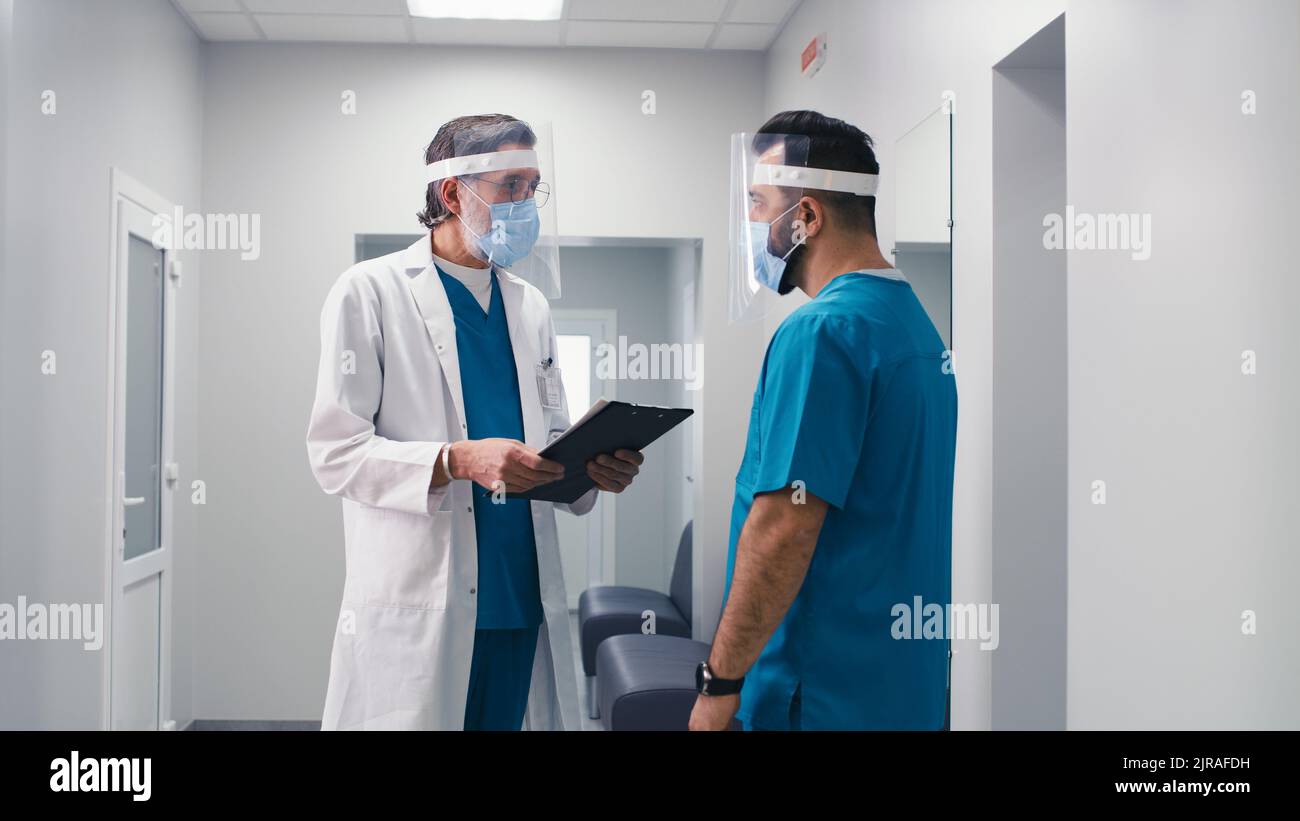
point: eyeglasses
(519, 190)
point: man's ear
(450, 193)
(813, 215)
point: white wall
(276, 144)
(888, 65)
(128, 94)
(8, 663)
(1030, 471)
(1200, 521)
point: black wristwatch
(710, 685)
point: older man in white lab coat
(436, 389)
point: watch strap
(706, 683)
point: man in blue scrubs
(843, 503)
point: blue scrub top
(509, 594)
(853, 401)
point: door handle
(132, 501)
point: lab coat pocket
(445, 507)
(402, 559)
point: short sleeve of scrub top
(814, 409)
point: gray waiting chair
(647, 682)
(604, 612)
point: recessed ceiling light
(488, 9)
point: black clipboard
(607, 427)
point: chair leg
(593, 705)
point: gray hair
(475, 134)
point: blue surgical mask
(514, 230)
(768, 267)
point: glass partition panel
(923, 224)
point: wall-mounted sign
(814, 56)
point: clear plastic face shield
(506, 210)
(769, 176)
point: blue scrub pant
(499, 675)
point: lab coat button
(472, 591)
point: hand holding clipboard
(605, 428)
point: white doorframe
(132, 206)
(602, 326)
(688, 449)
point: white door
(143, 282)
(586, 542)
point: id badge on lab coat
(548, 385)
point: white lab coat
(388, 396)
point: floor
(587, 723)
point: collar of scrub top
(481, 163)
(822, 179)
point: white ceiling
(699, 24)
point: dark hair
(475, 134)
(832, 144)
